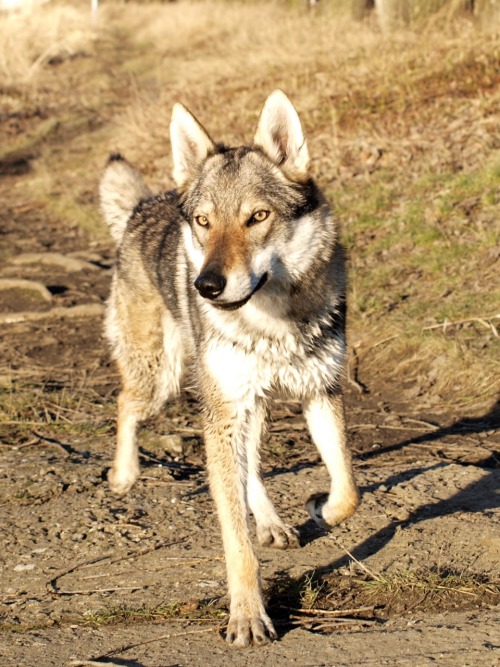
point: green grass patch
(425, 253)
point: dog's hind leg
(326, 421)
(147, 346)
(271, 531)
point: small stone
(24, 567)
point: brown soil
(140, 581)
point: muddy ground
(412, 579)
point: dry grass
(318, 599)
(406, 591)
(402, 129)
(32, 39)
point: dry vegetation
(403, 130)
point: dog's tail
(121, 189)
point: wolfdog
(239, 275)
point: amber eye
(258, 216)
(201, 220)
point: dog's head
(251, 211)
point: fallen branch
(51, 585)
(102, 590)
(333, 612)
(314, 626)
(128, 647)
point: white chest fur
(245, 362)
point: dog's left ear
(280, 135)
(191, 145)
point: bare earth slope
(413, 578)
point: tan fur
(227, 246)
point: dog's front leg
(226, 429)
(326, 420)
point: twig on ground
(389, 427)
(146, 550)
(128, 647)
(422, 422)
(102, 590)
(382, 342)
(370, 573)
(314, 626)
(186, 561)
(92, 663)
(485, 321)
(52, 442)
(352, 377)
(33, 441)
(333, 612)
(52, 583)
(21, 422)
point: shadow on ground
(480, 496)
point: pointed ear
(280, 136)
(191, 145)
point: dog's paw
(328, 514)
(278, 536)
(244, 630)
(121, 481)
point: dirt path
(140, 580)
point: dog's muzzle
(210, 285)
(234, 305)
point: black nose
(210, 285)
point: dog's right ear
(191, 145)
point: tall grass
(32, 38)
